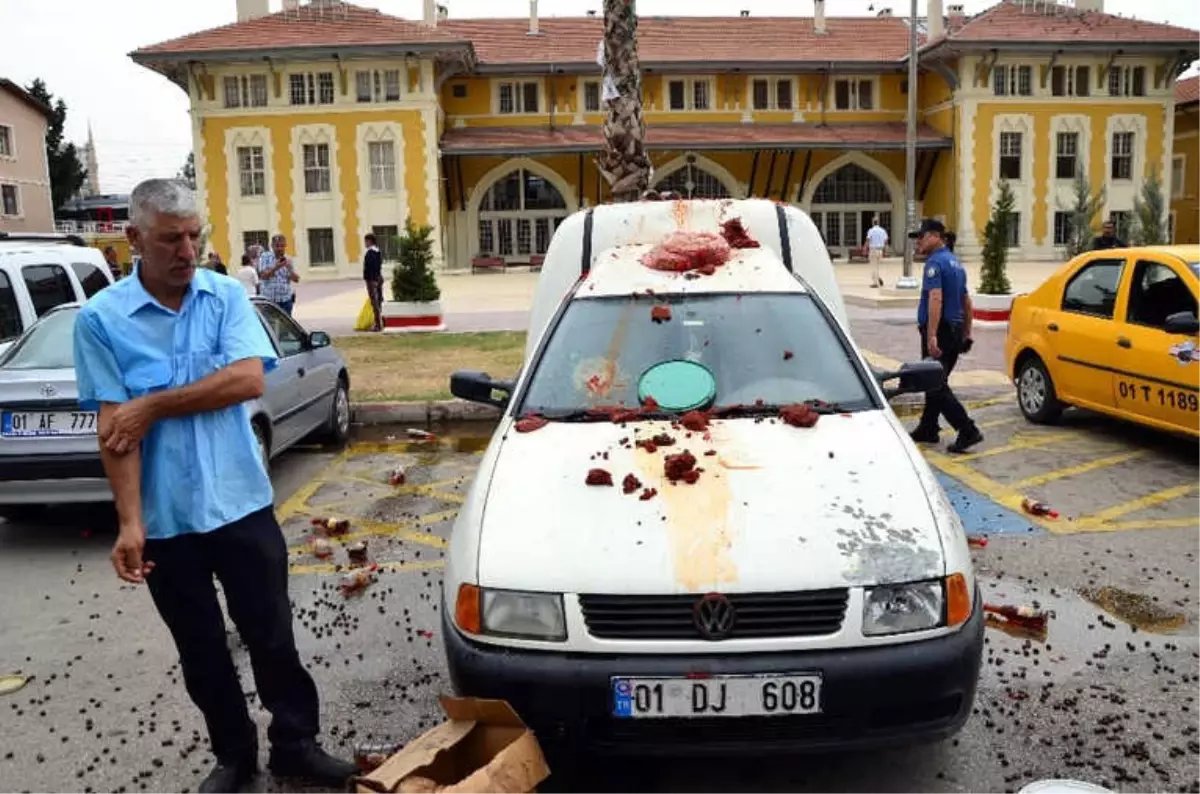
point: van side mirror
(917, 377)
(478, 387)
(1182, 323)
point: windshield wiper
(772, 409)
(606, 414)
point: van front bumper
(882, 695)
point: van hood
(776, 508)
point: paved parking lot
(1109, 695)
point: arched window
(518, 216)
(852, 184)
(693, 182)
(845, 204)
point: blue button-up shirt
(943, 271)
(277, 288)
(199, 472)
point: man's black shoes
(229, 776)
(923, 436)
(307, 760)
(967, 438)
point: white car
(777, 587)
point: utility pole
(910, 156)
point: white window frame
(1009, 135)
(383, 174)
(1066, 228)
(1124, 78)
(773, 82)
(855, 82)
(1071, 80)
(1014, 229)
(379, 85)
(316, 168)
(1128, 154)
(584, 85)
(1178, 176)
(689, 93)
(245, 92)
(312, 90)
(312, 260)
(255, 175)
(518, 97)
(1058, 138)
(1012, 82)
(16, 191)
(9, 135)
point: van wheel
(1035, 392)
(337, 427)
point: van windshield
(777, 348)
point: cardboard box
(483, 747)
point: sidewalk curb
(423, 413)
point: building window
(1012, 81)
(252, 170)
(379, 85)
(1178, 176)
(246, 91)
(1071, 81)
(1122, 155)
(311, 89)
(386, 238)
(1127, 81)
(591, 96)
(320, 247)
(854, 95)
(6, 141)
(257, 237)
(518, 216)
(10, 200)
(1122, 221)
(382, 157)
(1062, 228)
(1068, 155)
(1014, 229)
(772, 93)
(521, 97)
(1010, 155)
(690, 94)
(316, 168)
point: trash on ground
(320, 547)
(977, 541)
(11, 683)
(1036, 508)
(398, 476)
(357, 580)
(357, 552)
(420, 435)
(1025, 617)
(483, 747)
(332, 526)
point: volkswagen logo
(48, 391)
(714, 616)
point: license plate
(718, 696)
(23, 424)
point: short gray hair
(165, 196)
(279, 238)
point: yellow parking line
(998, 492)
(299, 500)
(403, 530)
(415, 565)
(1149, 523)
(1031, 441)
(1008, 420)
(1104, 518)
(1082, 468)
(988, 402)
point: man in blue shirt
(944, 320)
(169, 357)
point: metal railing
(90, 227)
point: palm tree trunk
(623, 161)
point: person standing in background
(877, 240)
(247, 275)
(277, 273)
(1108, 238)
(373, 276)
(215, 264)
(114, 266)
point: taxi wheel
(1035, 392)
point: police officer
(944, 320)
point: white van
(41, 271)
(699, 526)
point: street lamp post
(910, 156)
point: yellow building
(1185, 164)
(327, 120)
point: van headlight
(511, 613)
(901, 608)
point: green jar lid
(678, 385)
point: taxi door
(1082, 334)
(1156, 369)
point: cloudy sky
(80, 47)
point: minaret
(92, 186)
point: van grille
(651, 617)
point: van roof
(620, 271)
(30, 239)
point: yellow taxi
(1112, 331)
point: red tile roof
(1187, 91)
(1016, 21)
(343, 25)
(563, 40)
(533, 140)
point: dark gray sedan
(48, 448)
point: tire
(1035, 392)
(264, 446)
(337, 427)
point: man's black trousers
(942, 401)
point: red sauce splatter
(630, 484)
(736, 235)
(711, 452)
(690, 477)
(788, 355)
(528, 424)
(660, 314)
(684, 251)
(599, 477)
(696, 421)
(625, 415)
(799, 415)
(649, 404)
(648, 494)
(681, 467)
